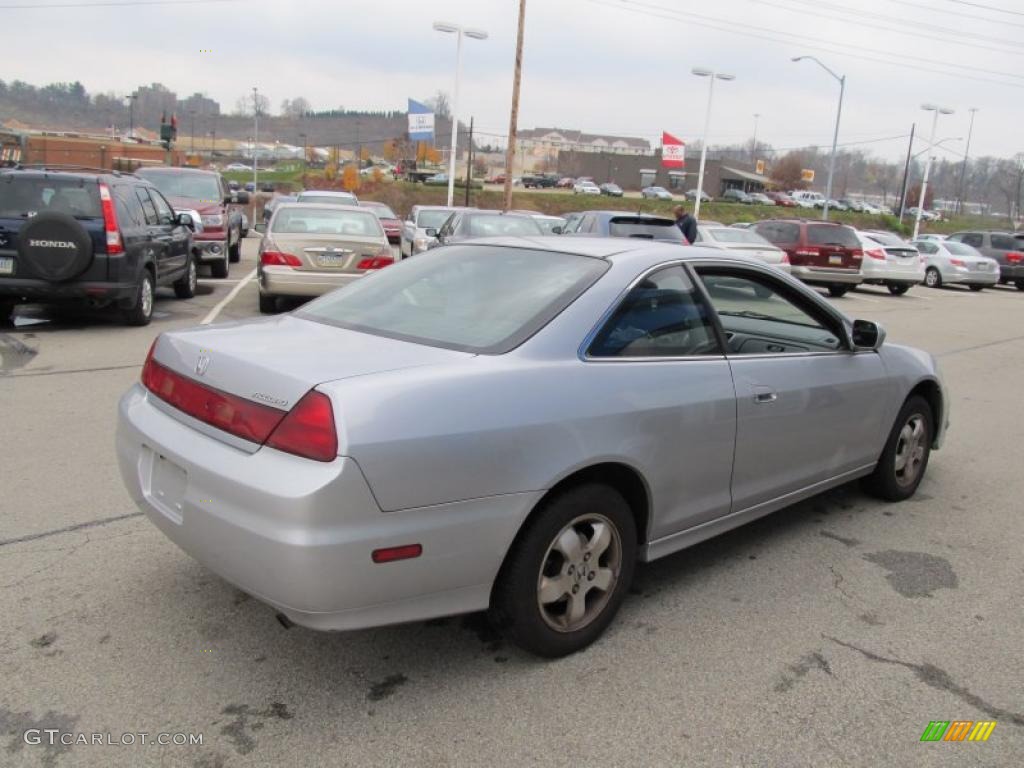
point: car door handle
(763, 395)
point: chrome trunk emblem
(202, 363)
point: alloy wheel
(910, 449)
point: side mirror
(185, 220)
(867, 335)
(431, 232)
(556, 230)
(243, 197)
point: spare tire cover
(55, 246)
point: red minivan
(820, 252)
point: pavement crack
(68, 529)
(837, 582)
(935, 677)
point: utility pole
(255, 153)
(753, 149)
(963, 167)
(906, 173)
(192, 132)
(469, 164)
(510, 151)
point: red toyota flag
(672, 151)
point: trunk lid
(275, 361)
(329, 253)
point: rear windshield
(474, 298)
(1005, 243)
(959, 249)
(736, 235)
(324, 221)
(779, 231)
(432, 219)
(651, 229)
(195, 186)
(886, 239)
(489, 225)
(381, 210)
(832, 234)
(22, 196)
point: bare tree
(244, 105)
(440, 104)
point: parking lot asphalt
(830, 633)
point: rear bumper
(893, 273)
(1011, 272)
(299, 534)
(284, 281)
(824, 276)
(958, 276)
(41, 290)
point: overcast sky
(612, 66)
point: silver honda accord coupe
(511, 424)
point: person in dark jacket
(686, 223)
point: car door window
(662, 316)
(164, 212)
(973, 239)
(148, 209)
(925, 247)
(129, 210)
(760, 315)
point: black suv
(105, 238)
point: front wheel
(898, 289)
(568, 572)
(836, 291)
(268, 304)
(932, 278)
(220, 268)
(905, 457)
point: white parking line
(212, 315)
(216, 281)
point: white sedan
(744, 241)
(947, 261)
(890, 261)
(586, 188)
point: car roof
(326, 193)
(82, 175)
(176, 169)
(631, 214)
(332, 207)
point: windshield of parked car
(194, 186)
(325, 221)
(832, 234)
(548, 225)
(24, 195)
(432, 219)
(737, 235)
(475, 298)
(652, 229)
(489, 225)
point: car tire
(268, 304)
(904, 459)
(6, 313)
(185, 286)
(235, 251)
(220, 268)
(585, 534)
(142, 312)
(1020, 285)
(932, 278)
(897, 289)
(837, 291)
(976, 288)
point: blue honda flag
(421, 122)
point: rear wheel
(905, 457)
(567, 573)
(142, 312)
(268, 304)
(977, 287)
(838, 290)
(185, 286)
(898, 289)
(932, 278)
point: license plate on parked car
(331, 260)
(6, 265)
(835, 258)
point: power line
(986, 7)
(110, 4)
(731, 27)
(958, 14)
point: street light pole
(928, 164)
(476, 34)
(963, 167)
(131, 114)
(835, 135)
(192, 132)
(712, 76)
(255, 143)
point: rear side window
(663, 316)
(1004, 243)
(652, 229)
(21, 196)
(973, 239)
(148, 209)
(129, 210)
(831, 234)
(779, 231)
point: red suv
(220, 241)
(820, 252)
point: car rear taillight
(114, 244)
(279, 259)
(308, 430)
(875, 253)
(806, 252)
(1014, 257)
(376, 262)
(785, 258)
(957, 262)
